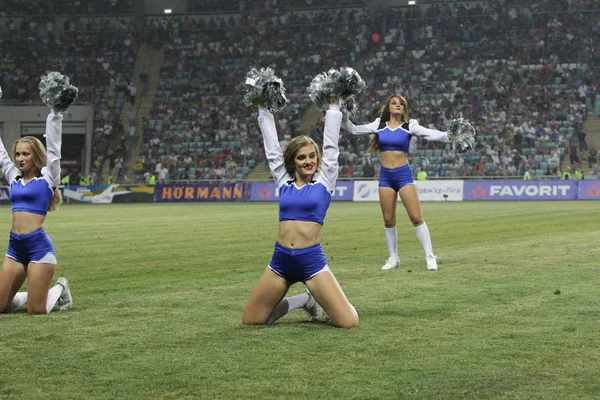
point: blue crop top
(394, 139)
(397, 139)
(309, 202)
(35, 196)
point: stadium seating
(517, 79)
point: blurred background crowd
(167, 102)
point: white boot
(313, 309)
(392, 262)
(432, 262)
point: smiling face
(306, 162)
(302, 158)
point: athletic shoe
(65, 301)
(313, 309)
(432, 263)
(392, 262)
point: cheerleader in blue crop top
(33, 179)
(306, 180)
(391, 134)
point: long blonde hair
(39, 160)
(384, 115)
(292, 150)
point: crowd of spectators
(15, 8)
(97, 53)
(246, 6)
(523, 72)
(524, 76)
(199, 126)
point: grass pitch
(159, 290)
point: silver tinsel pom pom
(57, 92)
(348, 83)
(0, 92)
(462, 134)
(343, 84)
(321, 87)
(264, 88)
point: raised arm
(331, 151)
(273, 151)
(8, 168)
(360, 129)
(53, 145)
(426, 133)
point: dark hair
(384, 115)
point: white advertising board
(439, 190)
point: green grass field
(159, 290)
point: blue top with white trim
(35, 196)
(397, 139)
(309, 202)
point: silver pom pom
(321, 88)
(348, 83)
(57, 92)
(0, 92)
(462, 134)
(264, 88)
(343, 84)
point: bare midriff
(25, 222)
(393, 159)
(298, 234)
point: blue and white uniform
(34, 197)
(307, 203)
(397, 139)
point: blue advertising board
(520, 190)
(267, 191)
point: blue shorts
(396, 178)
(33, 247)
(298, 265)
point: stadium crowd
(500, 67)
(522, 72)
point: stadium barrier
(431, 190)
